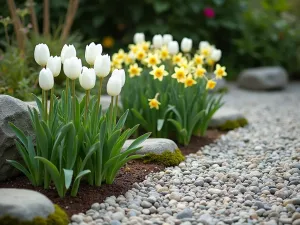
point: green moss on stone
(233, 124)
(167, 158)
(59, 217)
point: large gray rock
(263, 78)
(153, 145)
(24, 205)
(15, 111)
(225, 115)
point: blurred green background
(250, 33)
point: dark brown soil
(135, 172)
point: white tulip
(87, 78)
(72, 67)
(41, 54)
(173, 47)
(131, 55)
(167, 38)
(119, 74)
(91, 52)
(67, 51)
(186, 44)
(46, 79)
(157, 41)
(203, 44)
(102, 65)
(54, 64)
(139, 38)
(216, 55)
(114, 86)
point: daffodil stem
(46, 106)
(87, 99)
(51, 103)
(74, 100)
(116, 113)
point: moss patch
(167, 158)
(59, 217)
(233, 124)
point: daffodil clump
(168, 88)
(73, 137)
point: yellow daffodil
(145, 46)
(159, 72)
(164, 53)
(200, 72)
(180, 74)
(177, 58)
(189, 81)
(152, 60)
(220, 71)
(133, 48)
(210, 84)
(206, 51)
(121, 55)
(134, 70)
(140, 54)
(199, 59)
(210, 62)
(116, 63)
(154, 103)
(129, 58)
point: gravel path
(249, 176)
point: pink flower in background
(209, 12)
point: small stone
(187, 199)
(146, 204)
(215, 191)
(117, 216)
(296, 222)
(259, 205)
(285, 220)
(77, 218)
(296, 216)
(151, 199)
(199, 183)
(146, 211)
(186, 213)
(175, 196)
(115, 222)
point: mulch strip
(136, 171)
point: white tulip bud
(102, 65)
(72, 67)
(41, 54)
(46, 79)
(186, 44)
(68, 51)
(91, 52)
(203, 44)
(54, 64)
(131, 55)
(173, 47)
(139, 38)
(119, 74)
(114, 86)
(167, 38)
(216, 55)
(87, 78)
(157, 41)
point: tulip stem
(112, 110)
(74, 100)
(67, 97)
(87, 99)
(51, 103)
(116, 113)
(99, 92)
(46, 105)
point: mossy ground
(167, 158)
(233, 124)
(59, 217)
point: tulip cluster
(170, 70)
(75, 138)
